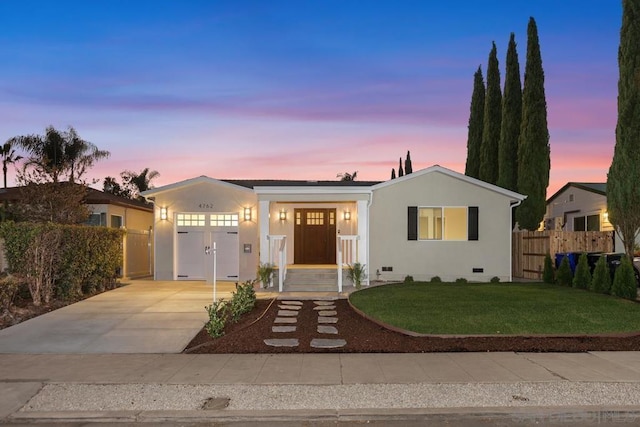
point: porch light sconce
(163, 214)
(283, 215)
(347, 216)
(247, 214)
(605, 216)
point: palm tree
(9, 156)
(139, 182)
(347, 176)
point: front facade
(578, 206)
(434, 222)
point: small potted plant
(356, 273)
(265, 273)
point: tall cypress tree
(400, 170)
(511, 120)
(623, 179)
(393, 173)
(533, 145)
(407, 164)
(491, 121)
(476, 115)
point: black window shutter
(473, 223)
(412, 222)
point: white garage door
(197, 232)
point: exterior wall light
(283, 215)
(163, 214)
(346, 215)
(247, 214)
(605, 216)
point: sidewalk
(178, 387)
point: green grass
(497, 308)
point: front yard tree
(9, 156)
(533, 145)
(511, 120)
(491, 121)
(474, 138)
(623, 191)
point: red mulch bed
(364, 336)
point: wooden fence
(530, 247)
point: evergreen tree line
(408, 168)
(508, 138)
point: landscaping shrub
(436, 279)
(217, 318)
(461, 280)
(564, 276)
(548, 272)
(624, 281)
(408, 279)
(356, 273)
(582, 278)
(495, 279)
(9, 287)
(242, 300)
(265, 273)
(601, 281)
(62, 260)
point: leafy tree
(407, 164)
(110, 185)
(548, 272)
(601, 281)
(533, 145)
(491, 121)
(9, 156)
(57, 155)
(511, 120)
(136, 183)
(582, 279)
(624, 281)
(564, 276)
(400, 170)
(393, 173)
(346, 176)
(623, 191)
(476, 117)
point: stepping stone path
(287, 319)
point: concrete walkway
(144, 316)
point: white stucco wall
(205, 197)
(584, 203)
(450, 260)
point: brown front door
(315, 236)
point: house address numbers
(205, 205)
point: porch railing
(278, 256)
(347, 254)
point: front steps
(311, 280)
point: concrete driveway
(144, 316)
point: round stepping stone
(285, 329)
(290, 307)
(323, 302)
(286, 320)
(327, 343)
(281, 342)
(291, 302)
(323, 329)
(325, 307)
(328, 313)
(327, 320)
(287, 313)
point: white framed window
(224, 220)
(190, 220)
(443, 223)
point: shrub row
(62, 261)
(220, 312)
(624, 282)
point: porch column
(263, 226)
(363, 234)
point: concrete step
(320, 276)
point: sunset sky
(298, 89)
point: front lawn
(502, 308)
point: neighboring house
(108, 210)
(433, 222)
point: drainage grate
(216, 403)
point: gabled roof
(594, 187)
(94, 197)
(439, 169)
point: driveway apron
(144, 316)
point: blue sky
(298, 89)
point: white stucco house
(433, 222)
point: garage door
(195, 232)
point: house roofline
(579, 185)
(152, 192)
